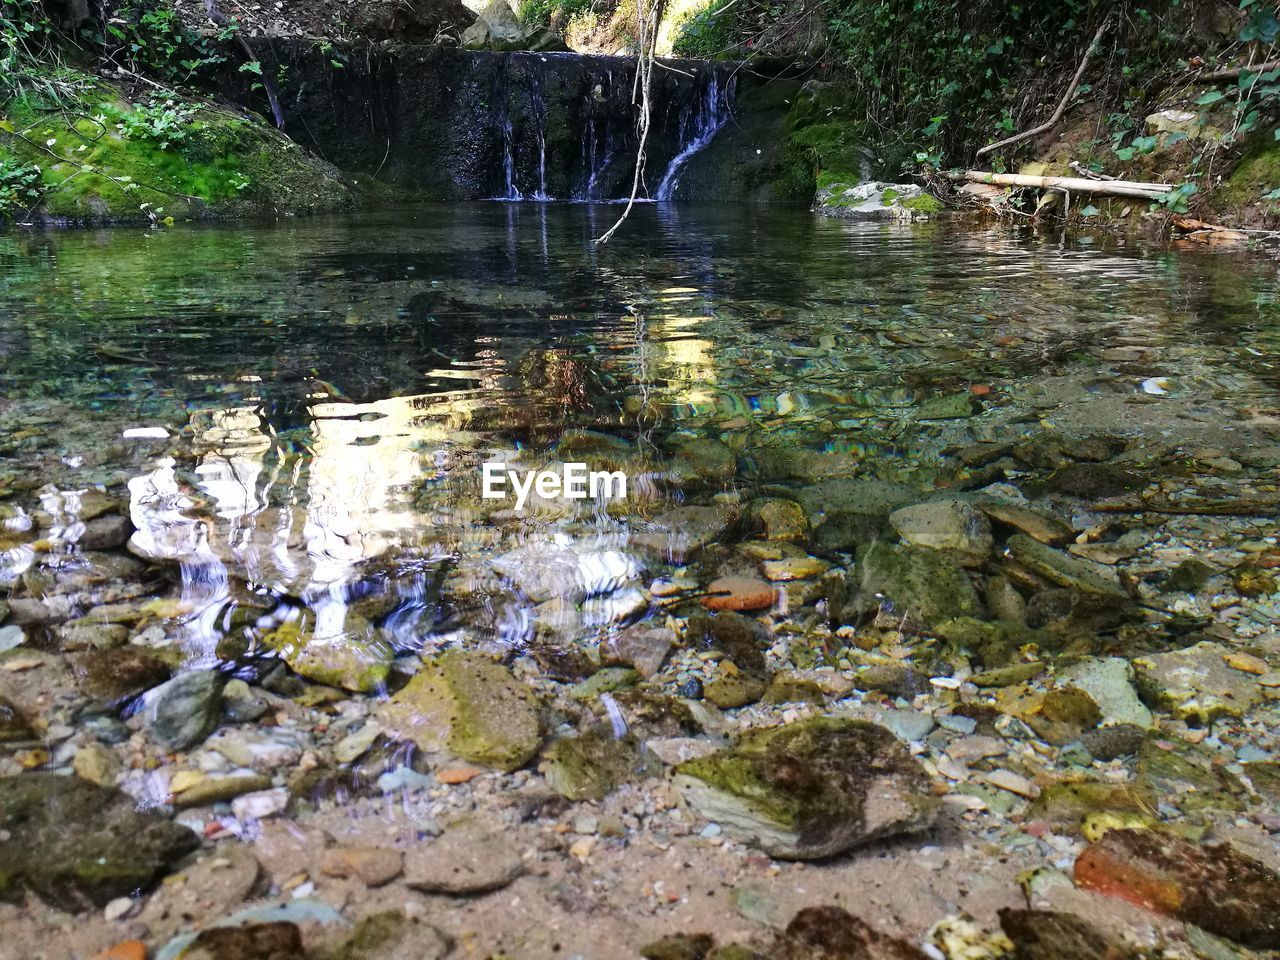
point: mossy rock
(390, 935)
(590, 766)
(470, 706)
(811, 789)
(75, 843)
(354, 658)
(916, 583)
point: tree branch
(1062, 105)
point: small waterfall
(540, 116)
(511, 192)
(712, 114)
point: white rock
(259, 806)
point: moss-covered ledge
(103, 157)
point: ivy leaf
(1126, 153)
(1213, 96)
(253, 66)
(1090, 211)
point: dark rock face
(456, 124)
(259, 941)
(1217, 888)
(76, 844)
(830, 933)
(1048, 935)
(812, 789)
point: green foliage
(148, 36)
(31, 62)
(705, 34)
(164, 120)
(20, 185)
(546, 13)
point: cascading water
(533, 126)
(713, 113)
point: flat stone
(676, 535)
(811, 789)
(391, 935)
(213, 790)
(705, 459)
(545, 570)
(1197, 683)
(468, 858)
(739, 593)
(75, 843)
(260, 805)
(95, 762)
(1109, 681)
(1062, 569)
(1034, 523)
(776, 518)
(945, 525)
(471, 706)
(372, 866)
(642, 646)
(1216, 887)
(794, 568)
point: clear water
(331, 387)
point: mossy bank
(99, 154)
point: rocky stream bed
(1012, 690)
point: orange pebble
(129, 950)
(458, 774)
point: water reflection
(334, 386)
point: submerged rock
(13, 725)
(589, 766)
(945, 525)
(471, 706)
(677, 534)
(705, 459)
(1049, 935)
(776, 518)
(643, 647)
(468, 858)
(1197, 683)
(75, 843)
(184, 711)
(344, 651)
(1064, 570)
(739, 593)
(1217, 888)
(831, 933)
(811, 789)
(917, 582)
(391, 935)
(279, 940)
(116, 675)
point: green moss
(1257, 174)
(589, 766)
(923, 203)
(102, 160)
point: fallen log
(1233, 73)
(1062, 105)
(1118, 188)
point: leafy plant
(149, 36)
(20, 184)
(165, 120)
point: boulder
(917, 583)
(75, 843)
(1216, 887)
(391, 935)
(184, 711)
(468, 705)
(812, 789)
(832, 933)
(1050, 935)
